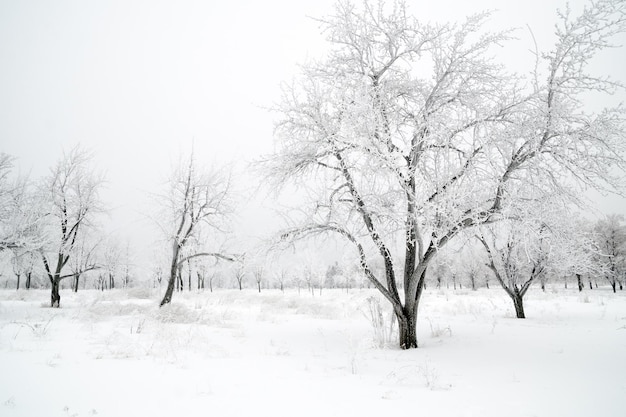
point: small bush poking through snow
(383, 323)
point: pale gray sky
(137, 81)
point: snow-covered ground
(240, 353)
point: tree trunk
(590, 285)
(518, 302)
(189, 275)
(579, 278)
(407, 329)
(259, 285)
(27, 283)
(171, 283)
(18, 281)
(55, 297)
(613, 285)
(76, 282)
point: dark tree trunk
(18, 281)
(590, 285)
(27, 283)
(579, 278)
(407, 329)
(55, 297)
(174, 275)
(76, 282)
(259, 285)
(613, 286)
(518, 302)
(189, 276)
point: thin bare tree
(196, 199)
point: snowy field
(240, 353)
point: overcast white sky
(137, 81)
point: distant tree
(71, 196)
(281, 277)
(411, 132)
(112, 260)
(201, 271)
(17, 262)
(258, 276)
(21, 216)
(196, 199)
(515, 262)
(240, 273)
(83, 259)
(29, 261)
(610, 239)
(520, 252)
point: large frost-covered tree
(408, 133)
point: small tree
(240, 273)
(610, 238)
(258, 277)
(112, 259)
(17, 262)
(512, 267)
(196, 199)
(281, 277)
(71, 194)
(83, 259)
(519, 252)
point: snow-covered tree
(518, 254)
(531, 246)
(409, 133)
(610, 239)
(70, 193)
(196, 199)
(20, 217)
(83, 259)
